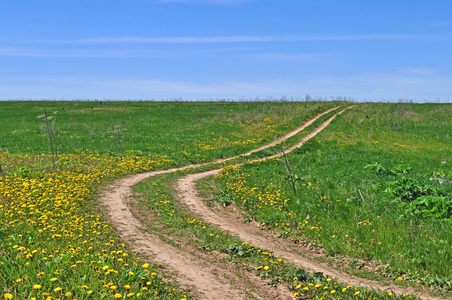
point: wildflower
(266, 268)
(145, 266)
(8, 296)
(56, 290)
(36, 287)
(127, 286)
(117, 296)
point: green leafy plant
(225, 196)
(428, 207)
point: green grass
(54, 241)
(186, 132)
(357, 212)
(45, 208)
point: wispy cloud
(232, 39)
(442, 24)
(217, 2)
(378, 86)
(80, 53)
(246, 38)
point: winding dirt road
(198, 275)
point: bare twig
(50, 135)
(289, 171)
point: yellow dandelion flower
(145, 266)
(56, 290)
(8, 296)
(36, 287)
(117, 296)
(127, 286)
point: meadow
(372, 192)
(56, 156)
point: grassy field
(55, 156)
(373, 191)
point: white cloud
(221, 2)
(80, 53)
(233, 39)
(368, 87)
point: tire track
(188, 194)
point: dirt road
(200, 275)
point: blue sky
(226, 49)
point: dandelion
(117, 296)
(8, 296)
(36, 287)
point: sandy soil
(202, 276)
